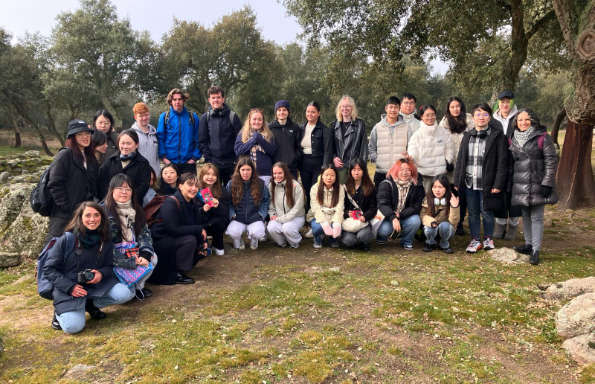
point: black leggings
(216, 228)
(309, 171)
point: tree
(575, 175)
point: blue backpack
(44, 286)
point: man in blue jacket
(218, 130)
(177, 134)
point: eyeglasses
(479, 114)
(123, 189)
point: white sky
(156, 16)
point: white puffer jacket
(431, 147)
(455, 138)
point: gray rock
(580, 348)
(9, 259)
(577, 317)
(31, 153)
(78, 372)
(508, 256)
(570, 288)
(4, 177)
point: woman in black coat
(86, 247)
(533, 179)
(129, 162)
(72, 176)
(178, 235)
(213, 202)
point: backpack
(44, 286)
(166, 121)
(152, 208)
(40, 199)
(232, 115)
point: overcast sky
(156, 16)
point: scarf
(126, 214)
(521, 137)
(403, 188)
(89, 239)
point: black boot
(55, 323)
(524, 249)
(534, 260)
(95, 312)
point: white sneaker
(309, 234)
(239, 244)
(219, 252)
(253, 244)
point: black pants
(378, 177)
(309, 171)
(225, 173)
(165, 270)
(216, 228)
(56, 227)
(185, 167)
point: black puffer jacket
(322, 142)
(354, 145)
(70, 183)
(65, 260)
(388, 199)
(217, 135)
(533, 167)
(138, 169)
(287, 138)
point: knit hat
(77, 126)
(506, 95)
(282, 103)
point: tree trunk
(107, 104)
(574, 178)
(17, 133)
(557, 123)
(52, 124)
(44, 144)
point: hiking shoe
(488, 244)
(525, 249)
(428, 247)
(55, 323)
(534, 260)
(474, 246)
(254, 244)
(95, 312)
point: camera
(85, 276)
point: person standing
(217, 132)
(408, 107)
(350, 141)
(481, 175)
(287, 137)
(257, 141)
(104, 121)
(147, 135)
(533, 178)
(177, 134)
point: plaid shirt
(477, 147)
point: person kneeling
(80, 267)
(286, 208)
(326, 207)
(440, 214)
(180, 239)
(249, 204)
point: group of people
(140, 200)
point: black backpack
(40, 199)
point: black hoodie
(287, 138)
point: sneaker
(317, 243)
(408, 247)
(309, 234)
(219, 252)
(524, 249)
(428, 247)
(55, 323)
(448, 250)
(254, 244)
(239, 244)
(534, 260)
(474, 246)
(488, 244)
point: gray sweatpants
(533, 225)
(287, 232)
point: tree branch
(566, 18)
(550, 15)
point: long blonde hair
(350, 100)
(247, 131)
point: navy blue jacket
(247, 212)
(217, 135)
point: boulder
(508, 256)
(577, 317)
(581, 348)
(9, 259)
(79, 372)
(569, 289)
(4, 177)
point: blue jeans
(409, 226)
(475, 207)
(74, 321)
(446, 231)
(318, 232)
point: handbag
(351, 224)
(126, 276)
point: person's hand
(166, 160)
(397, 225)
(454, 201)
(495, 190)
(97, 278)
(215, 203)
(362, 219)
(142, 261)
(336, 230)
(546, 191)
(338, 163)
(78, 291)
(434, 224)
(274, 217)
(206, 207)
(204, 234)
(328, 230)
(191, 161)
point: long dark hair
(535, 123)
(288, 184)
(367, 184)
(336, 186)
(76, 151)
(456, 124)
(110, 204)
(237, 183)
(442, 179)
(76, 223)
(216, 188)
